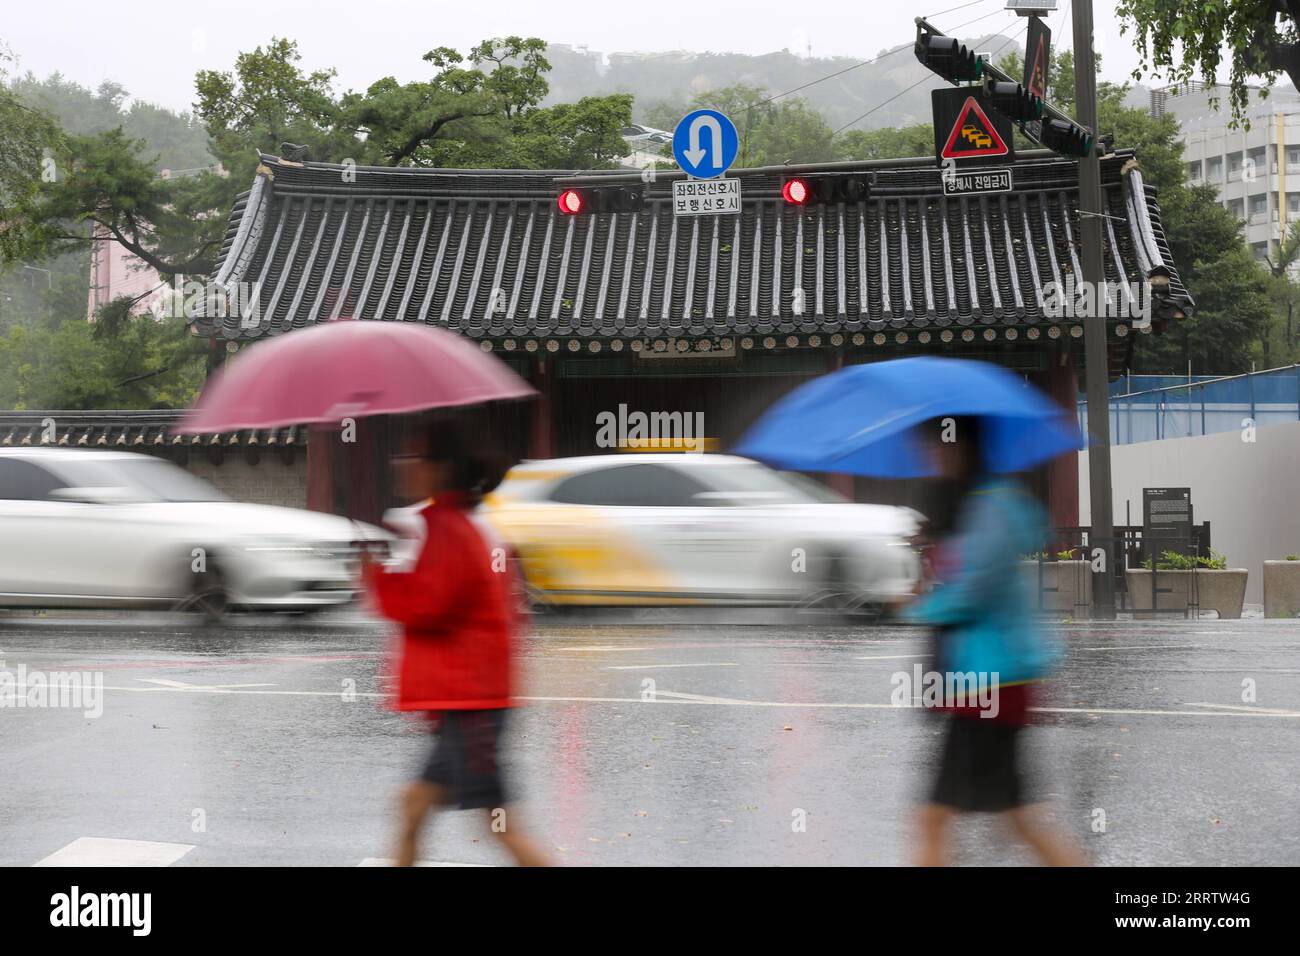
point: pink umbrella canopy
(347, 369)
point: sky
(153, 48)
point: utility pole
(1096, 362)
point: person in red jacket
(459, 622)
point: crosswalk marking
(102, 851)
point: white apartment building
(1256, 170)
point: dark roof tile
(486, 253)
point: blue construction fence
(1152, 407)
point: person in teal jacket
(987, 636)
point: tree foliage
(885, 143)
(480, 110)
(1182, 39)
(29, 138)
(120, 361)
(772, 132)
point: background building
(1256, 170)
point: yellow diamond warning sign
(967, 130)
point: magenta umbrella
(346, 369)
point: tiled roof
(144, 432)
(487, 253)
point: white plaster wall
(1248, 491)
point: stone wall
(269, 482)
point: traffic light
(1066, 137)
(579, 201)
(821, 188)
(1014, 101)
(948, 57)
(572, 202)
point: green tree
(772, 132)
(30, 142)
(119, 361)
(885, 143)
(1231, 289)
(178, 139)
(476, 111)
(1279, 341)
(1181, 38)
(267, 100)
(107, 191)
(582, 135)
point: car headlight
(279, 546)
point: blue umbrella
(861, 419)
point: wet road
(663, 741)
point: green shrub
(1174, 561)
(1215, 562)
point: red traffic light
(819, 189)
(581, 201)
(796, 192)
(571, 202)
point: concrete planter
(1222, 591)
(1281, 588)
(1067, 586)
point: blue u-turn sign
(705, 143)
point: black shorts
(979, 766)
(464, 761)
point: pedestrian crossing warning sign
(967, 130)
(973, 134)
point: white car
(672, 529)
(88, 528)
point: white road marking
(642, 667)
(182, 685)
(102, 851)
(1161, 713)
(1249, 710)
(377, 861)
(892, 657)
(1140, 647)
(679, 698)
(602, 647)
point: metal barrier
(1203, 407)
(1131, 552)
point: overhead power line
(876, 59)
(925, 79)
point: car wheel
(528, 598)
(208, 594)
(830, 588)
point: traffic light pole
(1097, 365)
